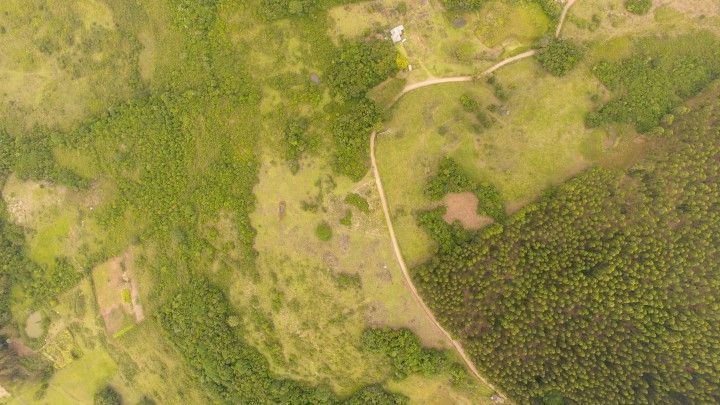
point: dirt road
(563, 16)
(386, 210)
(456, 79)
(406, 274)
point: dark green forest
(605, 290)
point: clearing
(463, 207)
(117, 293)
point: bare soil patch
(117, 293)
(33, 325)
(463, 207)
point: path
(386, 210)
(563, 15)
(406, 274)
(491, 69)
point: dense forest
(606, 289)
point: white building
(397, 33)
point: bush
(358, 201)
(351, 126)
(451, 178)
(375, 395)
(638, 7)
(560, 56)
(659, 75)
(347, 219)
(297, 141)
(323, 231)
(404, 351)
(107, 395)
(463, 5)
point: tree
(638, 7)
(107, 395)
(559, 56)
(358, 66)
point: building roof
(396, 33)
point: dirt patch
(463, 207)
(117, 293)
(19, 347)
(27, 201)
(33, 325)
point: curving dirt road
(563, 16)
(456, 79)
(386, 210)
(406, 274)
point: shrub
(559, 56)
(107, 395)
(323, 231)
(451, 178)
(404, 351)
(347, 219)
(463, 5)
(375, 395)
(638, 7)
(659, 75)
(351, 127)
(358, 201)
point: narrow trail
(563, 16)
(406, 274)
(386, 209)
(455, 79)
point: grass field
(437, 46)
(616, 21)
(537, 140)
(312, 299)
(56, 74)
(305, 301)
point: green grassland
(312, 299)
(139, 364)
(586, 23)
(63, 62)
(538, 138)
(541, 141)
(438, 46)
